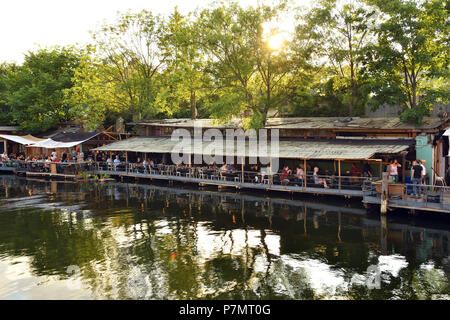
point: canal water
(63, 240)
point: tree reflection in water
(154, 242)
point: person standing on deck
(393, 170)
(417, 177)
(425, 179)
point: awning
(26, 140)
(30, 137)
(51, 144)
(293, 149)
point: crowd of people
(75, 155)
(259, 173)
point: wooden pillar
(305, 171)
(271, 173)
(242, 167)
(339, 168)
(381, 169)
(384, 192)
(403, 167)
(5, 144)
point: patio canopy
(294, 149)
(25, 140)
(52, 144)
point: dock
(371, 193)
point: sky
(27, 24)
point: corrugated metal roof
(296, 149)
(74, 136)
(8, 128)
(306, 123)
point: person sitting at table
(367, 171)
(212, 166)
(355, 171)
(299, 175)
(116, 162)
(318, 180)
(138, 162)
(230, 168)
(145, 163)
(47, 164)
(224, 168)
(285, 175)
(267, 171)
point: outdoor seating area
(237, 175)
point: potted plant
(94, 178)
(103, 178)
(83, 176)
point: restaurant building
(333, 144)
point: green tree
(134, 51)
(94, 95)
(248, 74)
(36, 89)
(339, 32)
(6, 72)
(411, 52)
(184, 81)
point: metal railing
(411, 194)
(254, 177)
(67, 168)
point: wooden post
(403, 167)
(381, 169)
(384, 193)
(242, 166)
(304, 171)
(339, 168)
(271, 173)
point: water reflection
(125, 241)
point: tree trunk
(353, 87)
(193, 104)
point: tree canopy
(340, 58)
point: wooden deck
(236, 184)
(49, 175)
(400, 199)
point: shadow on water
(129, 241)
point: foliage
(221, 62)
(35, 90)
(411, 51)
(248, 74)
(84, 175)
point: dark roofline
(329, 123)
